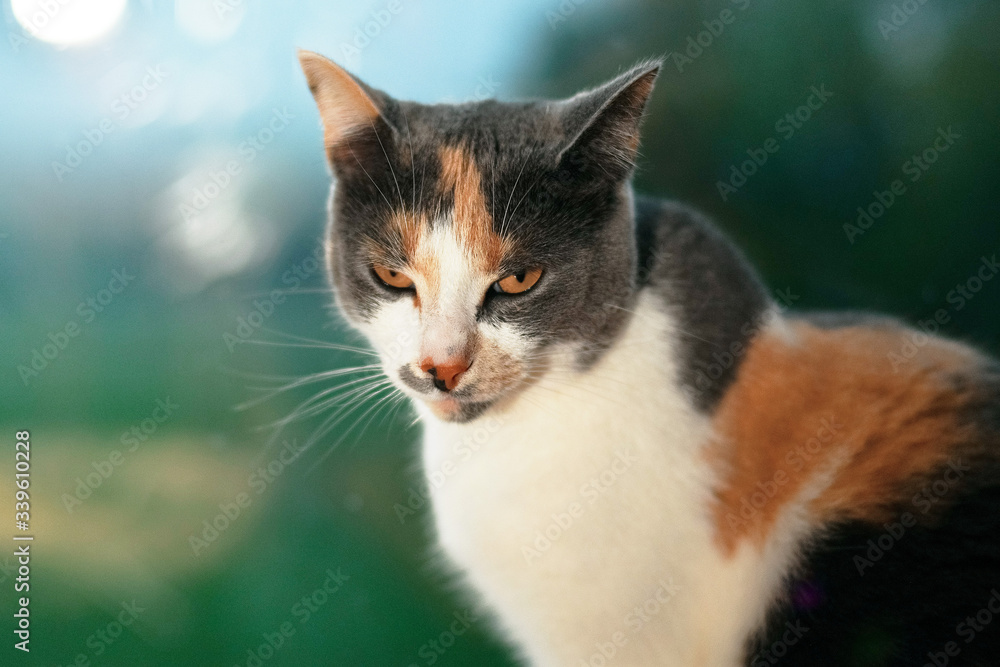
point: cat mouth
(459, 405)
(444, 407)
(452, 409)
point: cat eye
(518, 283)
(392, 278)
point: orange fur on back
(817, 416)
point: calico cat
(635, 456)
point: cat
(635, 455)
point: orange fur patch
(823, 412)
(473, 221)
(343, 104)
(411, 229)
(473, 227)
(423, 267)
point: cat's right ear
(355, 129)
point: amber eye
(518, 283)
(392, 278)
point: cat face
(476, 245)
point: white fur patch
(445, 324)
(581, 514)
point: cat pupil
(520, 276)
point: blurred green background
(135, 269)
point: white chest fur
(581, 515)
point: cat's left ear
(602, 125)
(356, 128)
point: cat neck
(520, 493)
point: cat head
(476, 245)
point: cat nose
(446, 375)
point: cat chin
(449, 409)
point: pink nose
(446, 375)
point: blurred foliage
(130, 539)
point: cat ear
(353, 114)
(602, 125)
